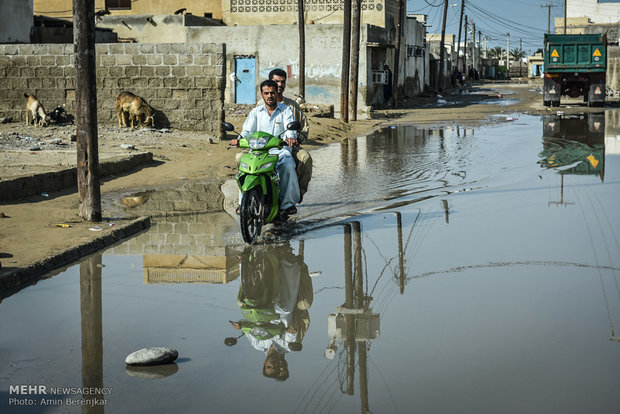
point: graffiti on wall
(312, 71)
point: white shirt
(274, 124)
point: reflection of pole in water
(561, 202)
(401, 253)
(350, 319)
(92, 337)
(446, 210)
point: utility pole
(474, 61)
(346, 57)
(458, 43)
(520, 58)
(442, 51)
(465, 51)
(302, 48)
(86, 110)
(508, 54)
(355, 58)
(548, 6)
(399, 20)
(565, 16)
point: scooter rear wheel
(251, 215)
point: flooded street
(430, 269)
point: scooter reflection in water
(274, 297)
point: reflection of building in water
(170, 268)
(574, 144)
(612, 131)
(184, 244)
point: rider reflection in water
(282, 320)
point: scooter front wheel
(251, 215)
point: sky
(525, 20)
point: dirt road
(28, 227)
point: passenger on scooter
(302, 157)
(273, 117)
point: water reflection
(274, 296)
(92, 334)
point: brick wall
(184, 82)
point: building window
(415, 51)
(380, 77)
(118, 4)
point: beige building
(63, 9)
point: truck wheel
(546, 103)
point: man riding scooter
(273, 117)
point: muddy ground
(28, 227)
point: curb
(19, 278)
(20, 187)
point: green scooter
(258, 181)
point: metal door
(245, 80)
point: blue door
(245, 80)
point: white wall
(597, 12)
(415, 73)
(16, 20)
(323, 57)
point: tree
(517, 54)
(496, 52)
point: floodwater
(432, 270)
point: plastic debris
(128, 146)
(63, 225)
(44, 195)
(97, 228)
(441, 102)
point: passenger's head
(279, 77)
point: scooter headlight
(259, 332)
(257, 143)
(265, 166)
(244, 166)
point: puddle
(423, 264)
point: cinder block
(147, 48)
(162, 71)
(26, 72)
(34, 83)
(178, 48)
(56, 49)
(132, 48)
(117, 49)
(107, 60)
(131, 71)
(40, 49)
(114, 71)
(154, 60)
(56, 72)
(193, 70)
(69, 71)
(178, 71)
(170, 82)
(162, 48)
(110, 82)
(102, 48)
(202, 60)
(186, 60)
(186, 82)
(41, 72)
(140, 82)
(19, 84)
(10, 50)
(147, 71)
(123, 59)
(138, 60)
(193, 49)
(171, 59)
(62, 60)
(165, 93)
(33, 61)
(19, 60)
(155, 82)
(13, 72)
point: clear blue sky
(524, 19)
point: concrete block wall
(183, 82)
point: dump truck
(575, 65)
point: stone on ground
(152, 356)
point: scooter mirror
(230, 341)
(294, 126)
(227, 126)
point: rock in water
(152, 356)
